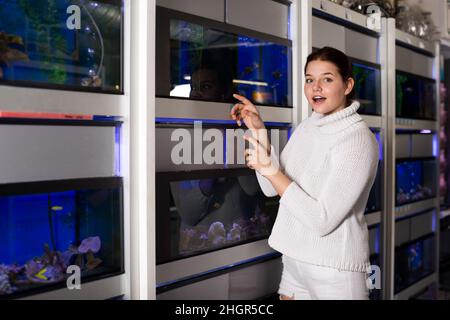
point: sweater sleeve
(353, 166)
(264, 183)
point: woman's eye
(328, 80)
(309, 81)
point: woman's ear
(350, 84)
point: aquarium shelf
(415, 43)
(373, 218)
(101, 289)
(413, 124)
(171, 285)
(175, 108)
(37, 187)
(409, 209)
(51, 118)
(373, 121)
(228, 257)
(417, 287)
(344, 15)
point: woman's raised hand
(245, 111)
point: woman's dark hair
(339, 59)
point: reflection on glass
(416, 180)
(367, 88)
(43, 45)
(214, 213)
(209, 64)
(413, 262)
(416, 97)
(42, 234)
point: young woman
(324, 177)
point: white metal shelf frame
(428, 49)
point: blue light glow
(380, 144)
(211, 121)
(117, 153)
(434, 221)
(435, 146)
(377, 241)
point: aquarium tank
(414, 261)
(375, 294)
(210, 61)
(374, 201)
(416, 97)
(367, 87)
(212, 211)
(62, 44)
(415, 180)
(47, 227)
(375, 259)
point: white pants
(304, 281)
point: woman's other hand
(258, 158)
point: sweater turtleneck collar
(337, 121)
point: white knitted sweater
(332, 161)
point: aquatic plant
(83, 255)
(48, 268)
(92, 244)
(41, 14)
(5, 286)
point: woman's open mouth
(319, 99)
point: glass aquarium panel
(45, 227)
(62, 44)
(210, 212)
(375, 294)
(414, 261)
(416, 97)
(374, 201)
(208, 63)
(367, 88)
(374, 244)
(415, 180)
